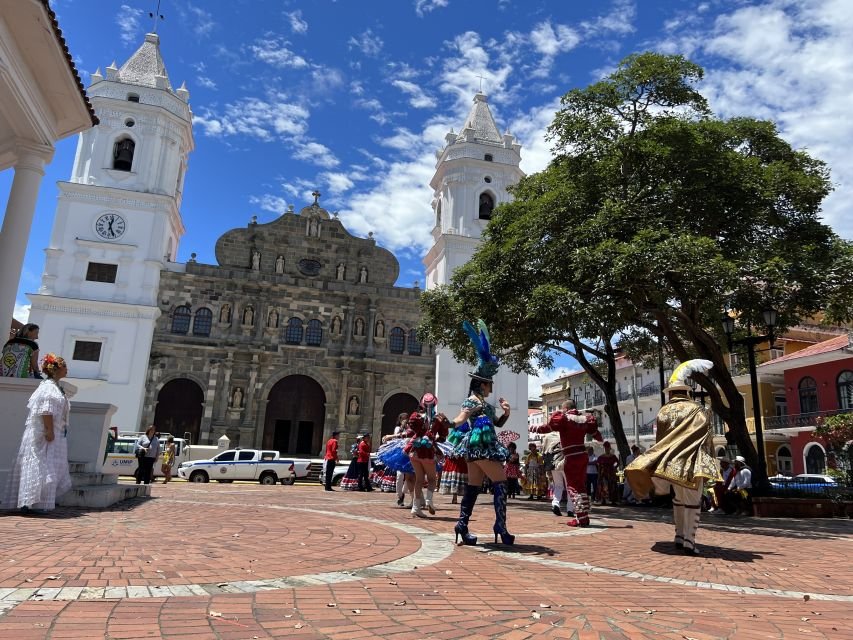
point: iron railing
(799, 419)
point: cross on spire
(481, 82)
(316, 195)
(156, 16)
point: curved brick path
(299, 562)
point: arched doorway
(394, 406)
(815, 459)
(296, 413)
(179, 408)
(784, 461)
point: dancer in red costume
(570, 473)
(426, 429)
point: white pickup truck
(263, 466)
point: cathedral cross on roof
(316, 195)
(157, 16)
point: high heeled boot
(500, 514)
(429, 504)
(466, 508)
(416, 508)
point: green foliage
(835, 430)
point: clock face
(110, 226)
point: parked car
(121, 459)
(805, 482)
(240, 464)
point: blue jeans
(591, 485)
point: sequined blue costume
(476, 439)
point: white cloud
(620, 20)
(791, 63)
(128, 23)
(273, 50)
(463, 69)
(207, 83)
(550, 40)
(262, 119)
(337, 183)
(21, 313)
(297, 23)
(418, 98)
(316, 153)
(535, 382)
(530, 129)
(368, 43)
(425, 6)
(202, 21)
(269, 202)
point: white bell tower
(117, 225)
(472, 174)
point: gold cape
(683, 453)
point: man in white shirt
(740, 488)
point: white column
(17, 222)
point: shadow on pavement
(708, 551)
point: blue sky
(353, 97)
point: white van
(121, 459)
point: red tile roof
(57, 33)
(827, 346)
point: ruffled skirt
(478, 442)
(350, 481)
(391, 454)
(454, 477)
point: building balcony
(651, 389)
(797, 420)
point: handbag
(140, 453)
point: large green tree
(653, 218)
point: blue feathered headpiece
(487, 364)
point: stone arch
(784, 460)
(180, 406)
(123, 134)
(486, 203)
(393, 404)
(295, 417)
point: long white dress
(41, 472)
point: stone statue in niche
(314, 228)
(249, 315)
(225, 314)
(379, 330)
(362, 275)
(279, 264)
(359, 327)
(272, 319)
(256, 260)
(237, 398)
(336, 325)
(352, 408)
(341, 272)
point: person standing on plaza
(350, 481)
(478, 443)
(591, 473)
(535, 478)
(627, 494)
(608, 482)
(147, 449)
(20, 354)
(330, 459)
(739, 495)
(569, 473)
(397, 461)
(168, 458)
(512, 468)
(720, 488)
(40, 472)
(363, 456)
(682, 458)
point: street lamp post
(750, 341)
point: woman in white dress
(41, 473)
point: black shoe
(556, 510)
(688, 551)
(329, 489)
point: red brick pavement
(217, 534)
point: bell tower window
(133, 97)
(487, 205)
(123, 154)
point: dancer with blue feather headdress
(475, 439)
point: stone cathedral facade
(296, 332)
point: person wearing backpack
(570, 473)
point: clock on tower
(110, 226)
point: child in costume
(428, 429)
(477, 442)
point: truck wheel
(199, 476)
(268, 478)
(288, 481)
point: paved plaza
(235, 561)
